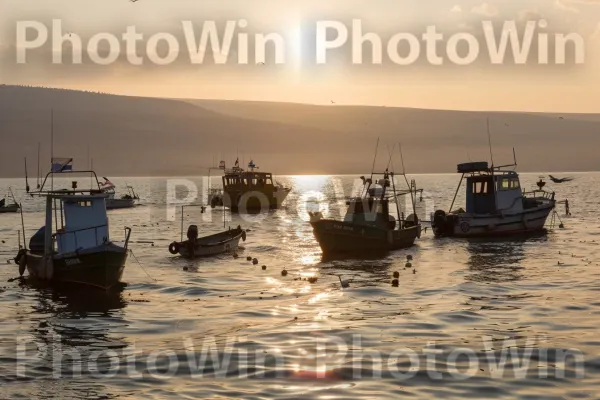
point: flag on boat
(222, 165)
(251, 164)
(107, 184)
(62, 164)
(237, 162)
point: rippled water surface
(465, 305)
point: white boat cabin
(490, 192)
(83, 223)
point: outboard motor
(391, 222)
(192, 233)
(441, 225)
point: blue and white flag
(62, 164)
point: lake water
(224, 328)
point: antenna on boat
(390, 159)
(38, 167)
(26, 181)
(514, 157)
(374, 159)
(51, 146)
(490, 142)
(402, 160)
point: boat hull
(481, 226)
(256, 200)
(338, 237)
(114, 204)
(9, 209)
(100, 267)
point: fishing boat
(495, 204)
(128, 200)
(249, 191)
(11, 207)
(219, 243)
(368, 227)
(74, 245)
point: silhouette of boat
(74, 245)
(9, 207)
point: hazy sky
(530, 87)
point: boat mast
(366, 189)
(492, 169)
(26, 181)
(412, 199)
(38, 166)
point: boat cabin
(369, 211)
(83, 222)
(489, 191)
(247, 179)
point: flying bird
(332, 102)
(559, 180)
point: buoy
(395, 283)
(396, 274)
(185, 268)
(407, 265)
(414, 271)
(249, 258)
(255, 261)
(409, 257)
(264, 267)
(312, 279)
(561, 226)
(344, 283)
(284, 272)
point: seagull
(560, 118)
(260, 63)
(332, 102)
(559, 180)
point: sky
(478, 85)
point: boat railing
(539, 193)
(62, 233)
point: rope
(136, 260)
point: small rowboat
(223, 242)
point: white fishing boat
(74, 245)
(8, 204)
(495, 205)
(128, 200)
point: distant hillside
(146, 136)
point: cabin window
(481, 187)
(84, 203)
(509, 183)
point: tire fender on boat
(174, 248)
(22, 261)
(244, 236)
(465, 227)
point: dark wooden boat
(219, 243)
(368, 227)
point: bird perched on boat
(559, 180)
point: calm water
(283, 337)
